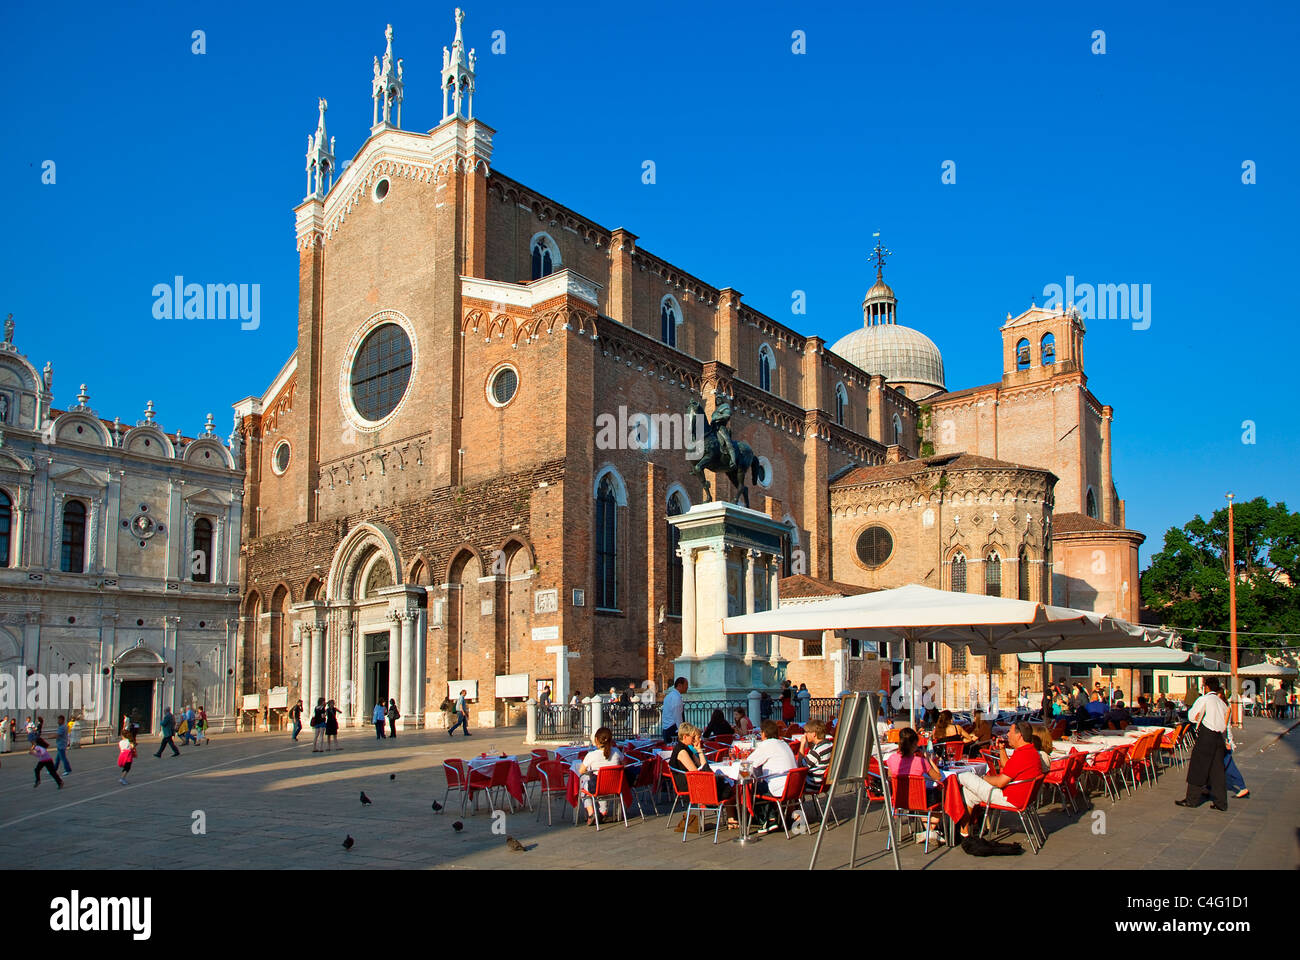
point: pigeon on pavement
(347, 842)
(515, 845)
(437, 807)
(365, 801)
(458, 826)
(392, 776)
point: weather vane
(879, 254)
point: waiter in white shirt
(1205, 767)
(674, 709)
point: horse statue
(714, 457)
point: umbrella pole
(1047, 702)
(907, 677)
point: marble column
(406, 702)
(751, 591)
(346, 683)
(688, 600)
(395, 656)
(304, 641)
(720, 641)
(317, 660)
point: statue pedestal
(731, 561)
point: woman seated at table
(945, 731)
(718, 726)
(1045, 744)
(688, 755)
(910, 762)
(979, 732)
(742, 724)
(605, 755)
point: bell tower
(386, 89)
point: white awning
(1146, 656)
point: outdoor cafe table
(480, 773)
(954, 804)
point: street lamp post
(1232, 614)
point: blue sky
(773, 169)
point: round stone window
(381, 189)
(381, 371)
(280, 458)
(875, 544)
(502, 386)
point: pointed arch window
(1023, 574)
(72, 558)
(841, 403)
(1091, 505)
(1047, 349)
(765, 364)
(675, 507)
(993, 575)
(6, 526)
(545, 256)
(606, 545)
(959, 573)
(898, 430)
(1022, 354)
(668, 319)
(201, 555)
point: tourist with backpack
(318, 726)
(393, 717)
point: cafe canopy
(989, 626)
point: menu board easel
(851, 750)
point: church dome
(898, 353)
(905, 357)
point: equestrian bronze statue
(718, 452)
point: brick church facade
(461, 478)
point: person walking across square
(61, 746)
(296, 716)
(462, 716)
(168, 732)
(125, 756)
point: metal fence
(825, 709)
(699, 712)
(560, 722)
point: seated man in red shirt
(1016, 779)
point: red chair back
(554, 775)
(796, 781)
(648, 775)
(954, 749)
(500, 773)
(702, 788)
(725, 738)
(609, 781)
(455, 771)
(909, 793)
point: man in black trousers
(1205, 767)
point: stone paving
(272, 804)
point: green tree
(1186, 584)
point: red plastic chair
(1028, 813)
(954, 749)
(1063, 778)
(725, 739)
(554, 776)
(609, 783)
(910, 803)
(647, 780)
(496, 785)
(821, 796)
(1105, 765)
(531, 776)
(1140, 761)
(795, 782)
(702, 792)
(457, 780)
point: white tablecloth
(1143, 731)
(565, 754)
(486, 763)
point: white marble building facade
(119, 561)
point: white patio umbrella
(1278, 671)
(1153, 655)
(990, 626)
